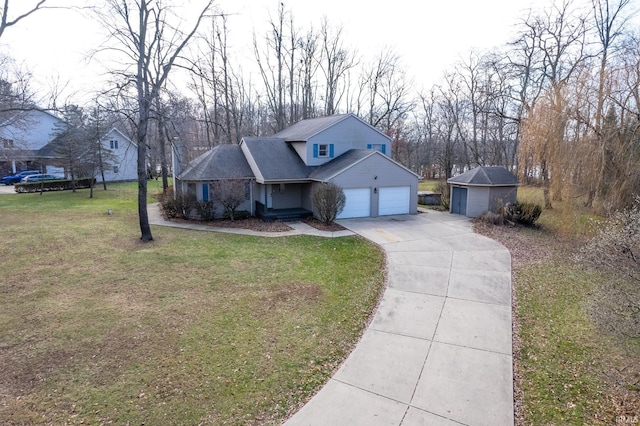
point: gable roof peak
(305, 129)
(486, 176)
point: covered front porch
(284, 201)
(283, 214)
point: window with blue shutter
(384, 148)
(331, 150)
(315, 150)
(205, 192)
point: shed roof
(222, 162)
(276, 160)
(486, 176)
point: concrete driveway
(438, 351)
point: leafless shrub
(443, 188)
(230, 194)
(492, 218)
(206, 210)
(177, 205)
(616, 247)
(329, 200)
(523, 213)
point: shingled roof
(305, 129)
(276, 160)
(337, 165)
(486, 176)
(222, 162)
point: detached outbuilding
(482, 189)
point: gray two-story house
(281, 171)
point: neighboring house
(120, 156)
(22, 136)
(282, 170)
(482, 189)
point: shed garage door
(394, 200)
(458, 200)
(358, 203)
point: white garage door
(358, 203)
(394, 200)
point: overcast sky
(429, 35)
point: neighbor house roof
(222, 162)
(486, 176)
(276, 160)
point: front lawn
(193, 328)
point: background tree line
(559, 103)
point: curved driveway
(438, 350)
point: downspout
(251, 206)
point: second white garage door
(358, 203)
(394, 200)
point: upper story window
(7, 143)
(377, 147)
(113, 144)
(323, 150)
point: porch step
(285, 215)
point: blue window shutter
(330, 150)
(384, 148)
(315, 150)
(368, 146)
(205, 192)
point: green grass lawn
(427, 185)
(192, 328)
(570, 369)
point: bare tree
(272, 66)
(309, 46)
(6, 21)
(609, 23)
(151, 44)
(560, 39)
(335, 62)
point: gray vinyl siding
(477, 201)
(305, 196)
(481, 199)
(366, 175)
(348, 134)
(286, 196)
(501, 195)
(301, 150)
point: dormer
(319, 140)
